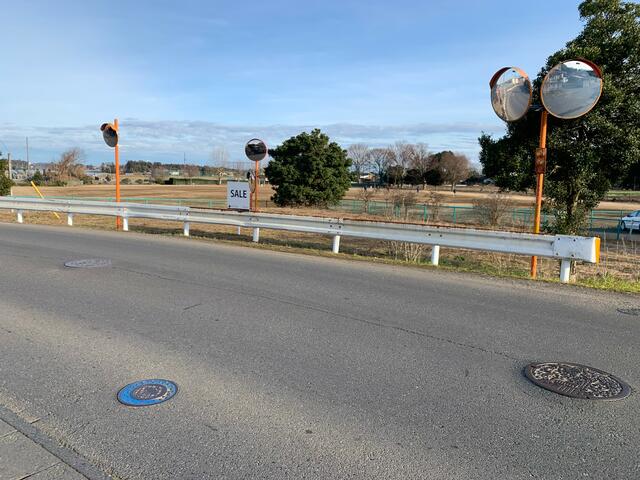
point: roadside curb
(65, 455)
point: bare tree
(399, 204)
(220, 157)
(492, 209)
(69, 165)
(421, 160)
(158, 173)
(381, 159)
(402, 153)
(359, 154)
(366, 195)
(191, 171)
(455, 168)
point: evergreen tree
(308, 170)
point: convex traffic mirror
(255, 150)
(510, 93)
(571, 88)
(110, 134)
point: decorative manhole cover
(577, 381)
(147, 392)
(89, 263)
(630, 311)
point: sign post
(238, 196)
(541, 168)
(110, 136)
(256, 150)
(570, 89)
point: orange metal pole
(539, 186)
(117, 154)
(255, 195)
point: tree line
(311, 170)
(409, 163)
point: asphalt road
(291, 366)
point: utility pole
(28, 163)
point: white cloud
(168, 140)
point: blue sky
(190, 76)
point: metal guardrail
(563, 247)
(420, 212)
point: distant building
(368, 177)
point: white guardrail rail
(563, 247)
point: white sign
(238, 194)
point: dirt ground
(462, 197)
(138, 191)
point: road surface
(292, 366)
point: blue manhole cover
(147, 392)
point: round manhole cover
(630, 311)
(577, 381)
(89, 263)
(147, 392)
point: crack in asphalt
(191, 306)
(324, 310)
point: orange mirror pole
(541, 164)
(117, 161)
(257, 185)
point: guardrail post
(125, 224)
(336, 244)
(565, 271)
(19, 218)
(70, 219)
(435, 255)
(186, 229)
(256, 235)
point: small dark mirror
(255, 150)
(109, 134)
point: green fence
(468, 215)
(622, 196)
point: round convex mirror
(109, 134)
(571, 88)
(510, 93)
(255, 150)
